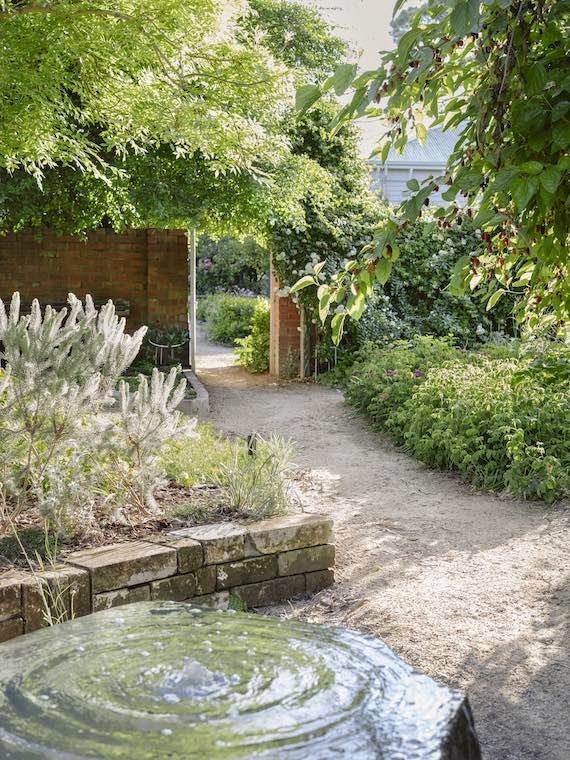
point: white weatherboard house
(416, 162)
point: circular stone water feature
(167, 680)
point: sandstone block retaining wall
(256, 565)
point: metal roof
(433, 153)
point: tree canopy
(174, 129)
(499, 73)
(83, 81)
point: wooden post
(192, 297)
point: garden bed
(220, 565)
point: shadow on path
(468, 587)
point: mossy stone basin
(167, 680)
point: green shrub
(416, 299)
(227, 317)
(499, 417)
(383, 377)
(253, 350)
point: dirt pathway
(472, 589)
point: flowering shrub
(229, 264)
(416, 298)
(62, 450)
(498, 416)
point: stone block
(10, 595)
(306, 560)
(222, 542)
(205, 580)
(271, 592)
(119, 565)
(281, 534)
(190, 553)
(61, 593)
(122, 596)
(245, 571)
(11, 628)
(177, 589)
(319, 580)
(218, 601)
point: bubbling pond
(168, 680)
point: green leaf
(465, 17)
(421, 133)
(413, 185)
(550, 178)
(535, 79)
(495, 298)
(383, 270)
(523, 190)
(343, 76)
(397, 7)
(504, 178)
(561, 135)
(337, 327)
(469, 180)
(306, 95)
(531, 167)
(450, 193)
(355, 305)
(324, 303)
(319, 267)
(304, 282)
(560, 110)
(406, 43)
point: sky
(365, 25)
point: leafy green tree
(499, 72)
(210, 151)
(337, 221)
(83, 82)
(296, 35)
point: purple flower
(418, 373)
(390, 372)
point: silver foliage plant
(148, 419)
(62, 447)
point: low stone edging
(259, 564)
(201, 403)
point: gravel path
(470, 588)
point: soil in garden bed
(179, 507)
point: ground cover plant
(499, 416)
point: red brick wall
(285, 333)
(147, 268)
